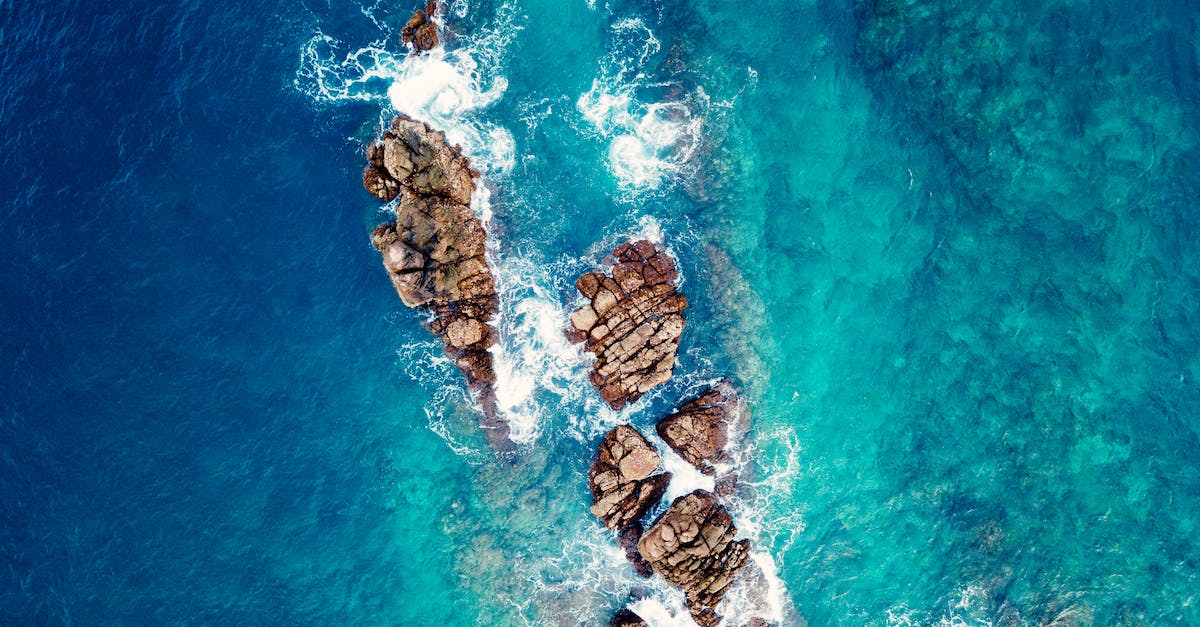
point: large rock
(623, 480)
(421, 32)
(700, 429)
(692, 547)
(434, 251)
(632, 323)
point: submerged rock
(434, 251)
(624, 486)
(692, 547)
(632, 323)
(421, 31)
(700, 429)
(626, 618)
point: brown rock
(434, 252)
(380, 184)
(626, 618)
(699, 430)
(632, 324)
(628, 539)
(421, 160)
(623, 486)
(421, 31)
(692, 547)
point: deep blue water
(950, 250)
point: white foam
(657, 612)
(648, 143)
(685, 478)
(444, 90)
(449, 90)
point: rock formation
(626, 618)
(434, 251)
(624, 486)
(628, 539)
(632, 323)
(700, 429)
(692, 547)
(421, 31)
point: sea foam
(648, 143)
(449, 89)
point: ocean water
(949, 250)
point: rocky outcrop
(700, 429)
(626, 618)
(421, 32)
(623, 480)
(632, 323)
(434, 251)
(692, 547)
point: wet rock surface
(421, 32)
(626, 618)
(700, 429)
(628, 539)
(622, 478)
(692, 547)
(434, 250)
(632, 322)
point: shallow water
(948, 249)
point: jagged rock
(632, 324)
(421, 31)
(700, 429)
(692, 547)
(434, 251)
(626, 618)
(628, 539)
(624, 486)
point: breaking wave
(649, 142)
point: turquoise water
(949, 250)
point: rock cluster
(623, 480)
(421, 31)
(632, 323)
(700, 429)
(434, 250)
(692, 547)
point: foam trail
(537, 369)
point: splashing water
(648, 143)
(451, 90)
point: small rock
(421, 31)
(700, 429)
(626, 618)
